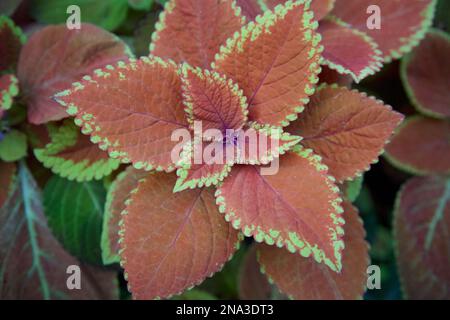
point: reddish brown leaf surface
(349, 51)
(11, 39)
(346, 128)
(305, 279)
(331, 76)
(175, 240)
(253, 285)
(249, 8)
(118, 193)
(7, 175)
(213, 100)
(403, 22)
(422, 221)
(283, 210)
(54, 57)
(421, 146)
(33, 262)
(275, 61)
(425, 75)
(320, 7)
(192, 31)
(131, 110)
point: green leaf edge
(296, 243)
(406, 167)
(123, 248)
(65, 137)
(7, 95)
(264, 21)
(409, 90)
(374, 66)
(86, 121)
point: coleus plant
(421, 147)
(259, 74)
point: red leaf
(33, 262)
(425, 75)
(253, 285)
(174, 241)
(346, 128)
(192, 31)
(320, 7)
(7, 174)
(304, 279)
(8, 90)
(422, 221)
(421, 146)
(403, 22)
(72, 155)
(250, 8)
(349, 51)
(118, 193)
(283, 209)
(275, 61)
(330, 76)
(54, 57)
(11, 40)
(131, 109)
(212, 99)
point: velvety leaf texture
(54, 57)
(283, 210)
(32, 261)
(118, 193)
(425, 75)
(346, 128)
(422, 221)
(108, 106)
(174, 241)
(403, 22)
(275, 61)
(213, 100)
(303, 279)
(250, 8)
(72, 155)
(349, 51)
(192, 31)
(8, 90)
(421, 146)
(75, 215)
(11, 40)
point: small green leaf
(75, 215)
(13, 146)
(107, 14)
(352, 188)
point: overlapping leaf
(11, 40)
(320, 7)
(192, 31)
(75, 215)
(403, 22)
(304, 279)
(7, 179)
(421, 146)
(422, 221)
(118, 193)
(250, 8)
(425, 75)
(131, 110)
(275, 61)
(13, 146)
(283, 210)
(349, 51)
(174, 241)
(346, 128)
(72, 155)
(213, 100)
(32, 261)
(54, 57)
(8, 90)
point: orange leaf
(275, 61)
(174, 241)
(284, 210)
(346, 128)
(131, 109)
(192, 31)
(421, 224)
(304, 279)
